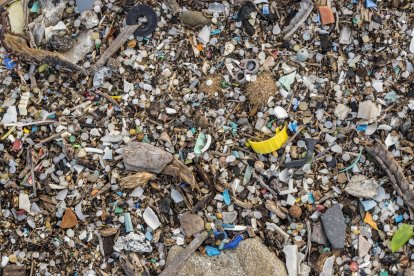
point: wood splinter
(394, 172)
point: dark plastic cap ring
(142, 10)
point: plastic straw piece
(353, 163)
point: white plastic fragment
(62, 195)
(24, 101)
(137, 192)
(151, 218)
(4, 261)
(135, 242)
(10, 116)
(24, 202)
(176, 196)
(204, 35)
(369, 111)
(280, 112)
(291, 253)
(78, 211)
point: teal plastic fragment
(200, 143)
(35, 7)
(247, 175)
(353, 163)
(226, 196)
(128, 223)
(212, 251)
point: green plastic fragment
(383, 273)
(287, 80)
(118, 210)
(72, 139)
(401, 237)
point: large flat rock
(145, 157)
(250, 258)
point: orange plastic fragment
(327, 16)
(94, 192)
(200, 47)
(368, 220)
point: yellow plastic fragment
(26, 131)
(272, 144)
(369, 220)
(7, 134)
(116, 97)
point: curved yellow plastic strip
(272, 144)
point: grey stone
(194, 19)
(318, 234)
(250, 258)
(191, 224)
(333, 222)
(145, 157)
(361, 186)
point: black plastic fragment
(142, 11)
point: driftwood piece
(16, 45)
(177, 168)
(115, 45)
(14, 270)
(175, 265)
(394, 172)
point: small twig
(261, 182)
(19, 124)
(106, 96)
(48, 139)
(309, 230)
(174, 266)
(30, 163)
(115, 45)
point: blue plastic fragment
(119, 193)
(137, 205)
(227, 225)
(9, 63)
(212, 251)
(362, 127)
(148, 236)
(399, 218)
(234, 242)
(370, 4)
(226, 196)
(293, 127)
(368, 204)
(265, 9)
